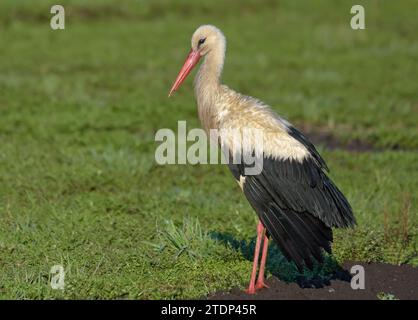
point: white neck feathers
(208, 81)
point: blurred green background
(80, 107)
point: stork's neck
(207, 84)
(209, 74)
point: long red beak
(192, 59)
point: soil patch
(381, 280)
(331, 142)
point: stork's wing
(298, 204)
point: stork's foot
(250, 290)
(260, 285)
(253, 289)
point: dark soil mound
(381, 280)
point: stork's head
(205, 39)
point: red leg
(260, 231)
(260, 280)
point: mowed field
(79, 186)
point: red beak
(191, 60)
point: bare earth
(398, 281)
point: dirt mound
(382, 281)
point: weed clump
(188, 239)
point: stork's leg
(260, 280)
(260, 234)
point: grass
(189, 239)
(78, 182)
(386, 296)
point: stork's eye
(201, 41)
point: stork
(296, 202)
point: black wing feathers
(301, 235)
(298, 204)
(296, 134)
(302, 186)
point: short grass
(80, 107)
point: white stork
(293, 197)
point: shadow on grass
(286, 271)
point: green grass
(79, 110)
(386, 296)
